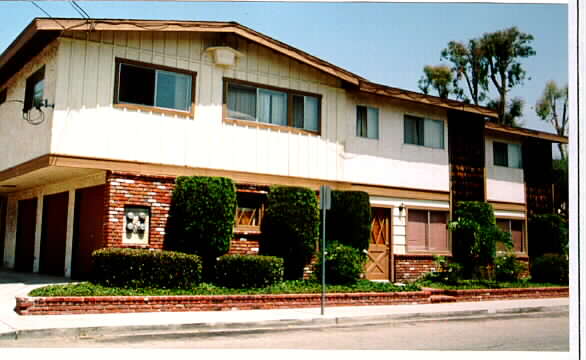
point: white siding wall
(20, 140)
(86, 124)
(388, 160)
(503, 183)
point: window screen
(416, 229)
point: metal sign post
(325, 203)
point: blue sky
(387, 43)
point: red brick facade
(410, 267)
(123, 190)
(243, 246)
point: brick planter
(125, 304)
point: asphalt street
(529, 332)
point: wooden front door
(26, 223)
(378, 264)
(88, 230)
(53, 236)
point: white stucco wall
(21, 141)
(503, 183)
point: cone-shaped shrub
(348, 221)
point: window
(508, 155)
(33, 93)
(149, 85)
(367, 122)
(424, 132)
(427, 230)
(249, 211)
(249, 102)
(515, 228)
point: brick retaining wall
(409, 268)
(125, 304)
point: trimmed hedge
(549, 234)
(248, 271)
(290, 228)
(348, 221)
(141, 268)
(201, 217)
(551, 268)
(344, 265)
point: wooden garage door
(25, 235)
(88, 233)
(378, 265)
(52, 260)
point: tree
(513, 111)
(552, 107)
(502, 51)
(438, 78)
(468, 63)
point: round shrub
(140, 268)
(507, 267)
(201, 216)
(344, 265)
(248, 271)
(290, 228)
(348, 221)
(552, 268)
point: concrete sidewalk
(14, 326)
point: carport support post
(325, 202)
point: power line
(46, 13)
(79, 10)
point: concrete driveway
(14, 284)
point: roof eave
(502, 129)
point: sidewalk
(14, 326)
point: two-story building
(98, 117)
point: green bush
(507, 267)
(248, 271)
(549, 234)
(201, 217)
(475, 235)
(552, 268)
(348, 221)
(138, 268)
(290, 228)
(448, 271)
(344, 265)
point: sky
(387, 43)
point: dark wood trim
(257, 124)
(147, 108)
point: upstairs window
(427, 231)
(508, 155)
(34, 91)
(367, 122)
(423, 132)
(272, 106)
(154, 86)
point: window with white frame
(153, 86)
(423, 132)
(282, 107)
(367, 122)
(508, 155)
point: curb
(137, 332)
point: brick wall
(409, 268)
(124, 189)
(243, 246)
